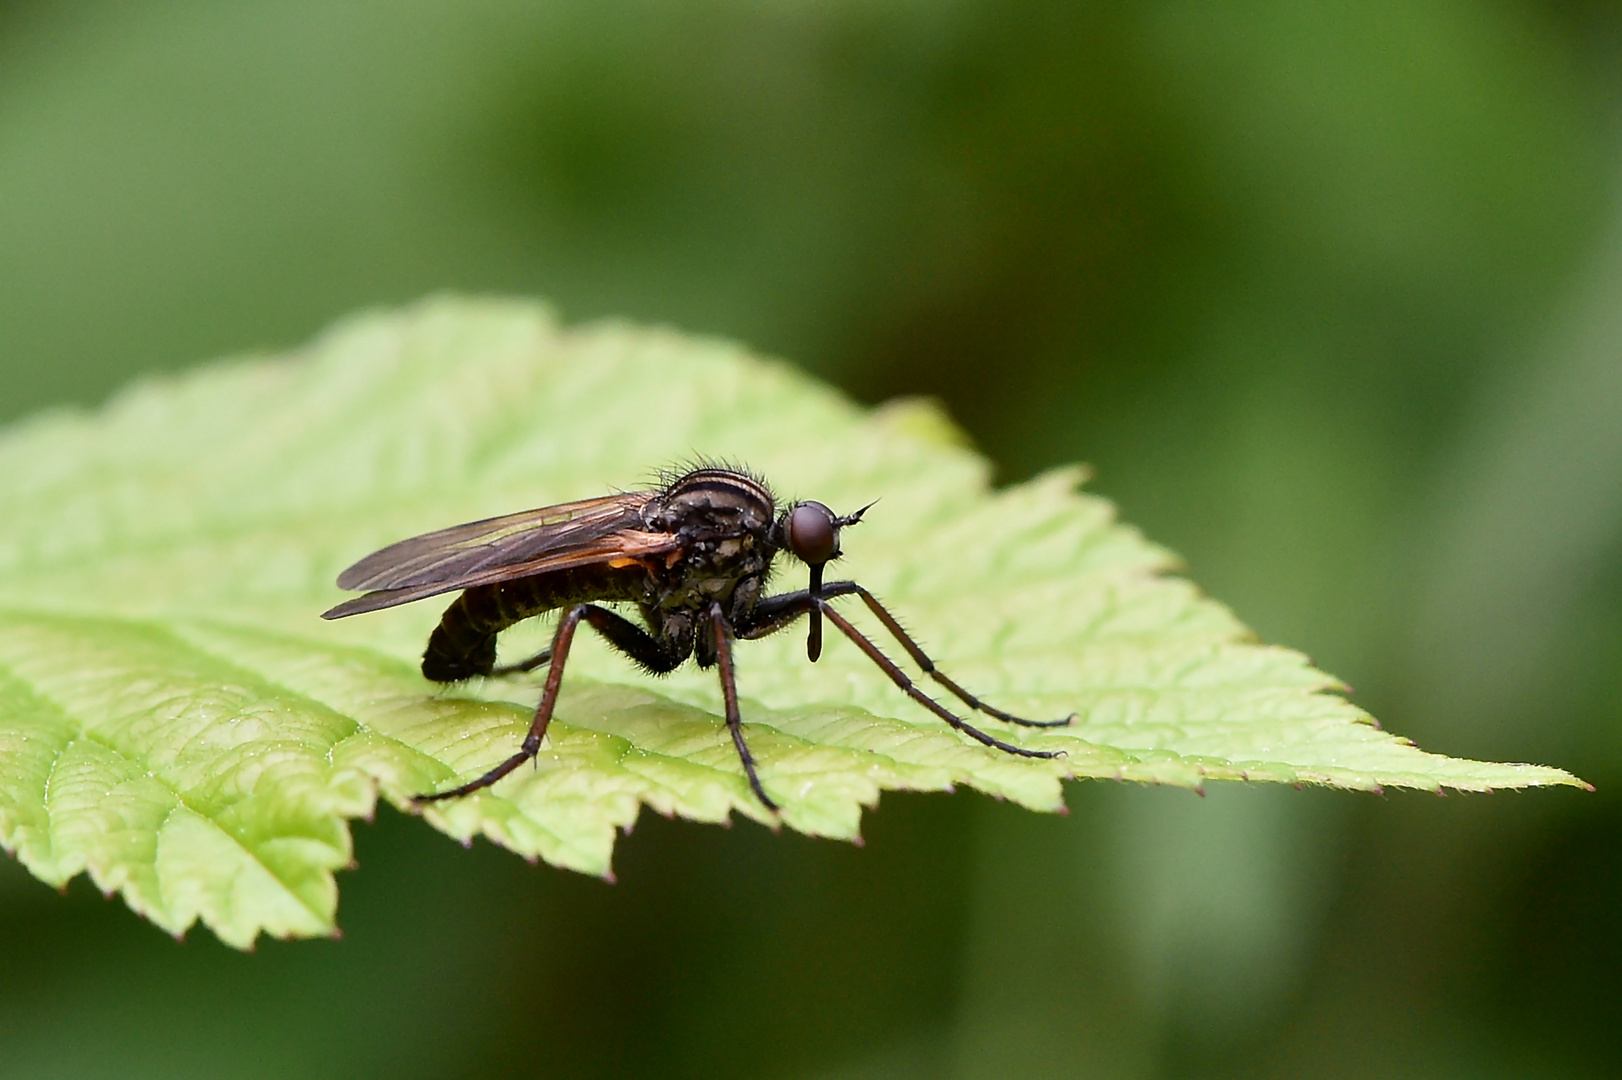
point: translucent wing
(601, 530)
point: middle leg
(656, 655)
(729, 693)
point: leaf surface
(177, 721)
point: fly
(692, 555)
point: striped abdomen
(464, 643)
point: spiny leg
(922, 659)
(729, 692)
(901, 679)
(776, 612)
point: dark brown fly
(693, 556)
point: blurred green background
(1330, 294)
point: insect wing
(605, 529)
(461, 550)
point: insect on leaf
(176, 719)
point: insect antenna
(852, 519)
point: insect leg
(922, 659)
(540, 658)
(773, 614)
(729, 691)
(561, 640)
(901, 679)
(776, 612)
(652, 653)
(657, 655)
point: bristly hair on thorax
(668, 475)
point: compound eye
(812, 536)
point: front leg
(899, 677)
(776, 612)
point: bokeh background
(1331, 296)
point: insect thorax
(724, 519)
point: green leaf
(177, 721)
